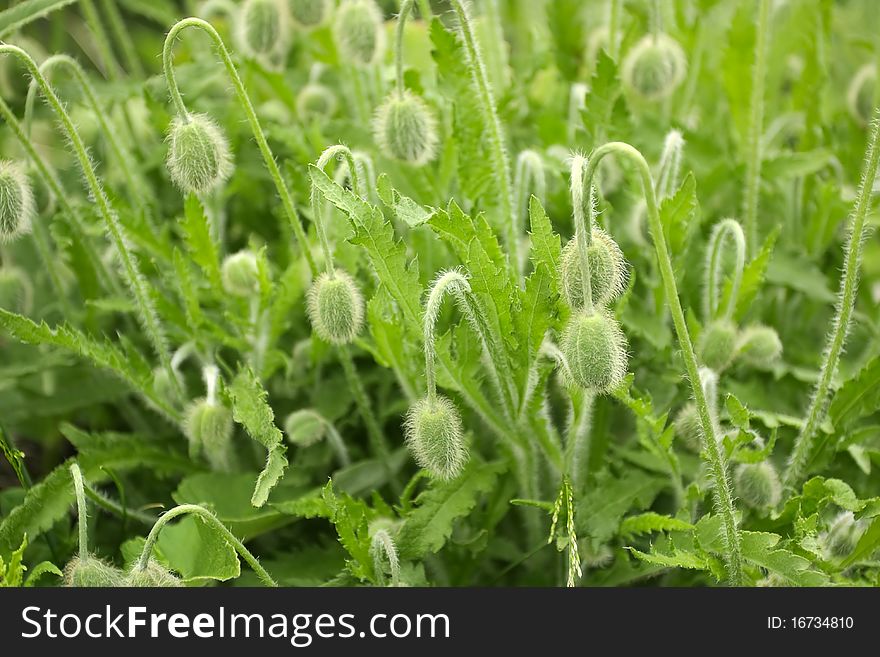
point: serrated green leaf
(650, 522)
(22, 13)
(44, 504)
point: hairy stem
(245, 102)
(81, 509)
(495, 134)
(583, 225)
(333, 152)
(406, 8)
(846, 299)
(724, 230)
(753, 138)
(717, 467)
(212, 520)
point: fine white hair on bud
(594, 348)
(842, 536)
(654, 68)
(261, 28)
(305, 427)
(208, 427)
(405, 129)
(153, 575)
(315, 101)
(860, 95)
(309, 14)
(16, 201)
(335, 307)
(758, 485)
(199, 159)
(240, 274)
(607, 270)
(717, 346)
(435, 436)
(759, 346)
(91, 572)
(358, 32)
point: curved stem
(726, 229)
(529, 176)
(109, 132)
(212, 520)
(493, 126)
(82, 510)
(456, 283)
(244, 100)
(333, 152)
(405, 10)
(846, 299)
(669, 168)
(583, 225)
(136, 280)
(380, 544)
(753, 138)
(717, 467)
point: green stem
(846, 299)
(425, 11)
(726, 229)
(212, 520)
(123, 38)
(123, 158)
(135, 278)
(753, 138)
(102, 41)
(244, 100)
(333, 152)
(717, 467)
(614, 15)
(82, 511)
(498, 152)
(583, 225)
(405, 10)
(44, 248)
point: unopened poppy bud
(315, 101)
(304, 427)
(262, 27)
(758, 485)
(309, 13)
(335, 307)
(208, 427)
(16, 201)
(435, 436)
(759, 346)
(154, 575)
(405, 129)
(91, 572)
(654, 68)
(607, 270)
(717, 345)
(198, 154)
(240, 274)
(358, 31)
(595, 350)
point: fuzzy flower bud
(16, 201)
(405, 129)
(304, 427)
(757, 484)
(16, 289)
(595, 350)
(240, 274)
(315, 101)
(759, 346)
(435, 436)
(155, 575)
(91, 572)
(688, 428)
(842, 536)
(607, 270)
(198, 154)
(335, 307)
(654, 68)
(208, 427)
(262, 27)
(309, 13)
(358, 31)
(717, 345)
(860, 96)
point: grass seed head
(16, 201)
(595, 350)
(198, 154)
(336, 307)
(654, 68)
(359, 32)
(240, 274)
(405, 129)
(758, 485)
(607, 270)
(435, 436)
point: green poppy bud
(595, 351)
(335, 307)
(16, 201)
(16, 289)
(198, 155)
(208, 427)
(435, 436)
(91, 572)
(757, 484)
(759, 346)
(155, 575)
(842, 536)
(688, 427)
(240, 274)
(309, 13)
(315, 101)
(405, 129)
(304, 427)
(262, 27)
(654, 68)
(860, 97)
(607, 270)
(359, 33)
(717, 345)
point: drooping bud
(358, 31)
(309, 13)
(688, 427)
(759, 346)
(607, 270)
(435, 436)
(860, 97)
(240, 274)
(155, 575)
(405, 129)
(16, 201)
(595, 351)
(758, 485)
(315, 101)
(262, 27)
(842, 536)
(198, 154)
(305, 427)
(91, 572)
(717, 344)
(208, 427)
(335, 307)
(654, 67)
